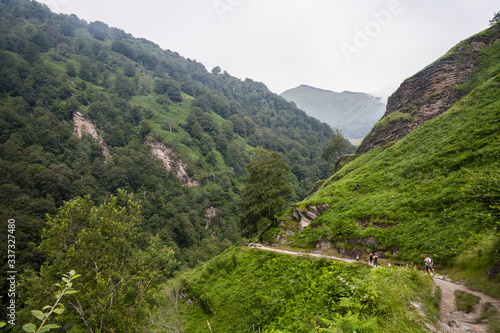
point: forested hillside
(86, 109)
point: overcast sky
(364, 45)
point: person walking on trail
(428, 265)
(432, 266)
(371, 258)
(375, 261)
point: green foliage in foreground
(121, 269)
(57, 308)
(243, 290)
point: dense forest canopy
(53, 66)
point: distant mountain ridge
(354, 112)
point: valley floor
(450, 320)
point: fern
(350, 323)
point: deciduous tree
(265, 191)
(118, 277)
(336, 147)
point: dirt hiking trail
(450, 320)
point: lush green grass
(465, 301)
(470, 266)
(245, 289)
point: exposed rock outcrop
(372, 241)
(323, 245)
(305, 217)
(430, 92)
(210, 213)
(86, 126)
(167, 156)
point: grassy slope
(244, 290)
(422, 183)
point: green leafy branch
(57, 308)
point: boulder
(323, 245)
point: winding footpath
(450, 320)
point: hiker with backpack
(429, 265)
(375, 260)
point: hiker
(357, 257)
(428, 265)
(375, 261)
(371, 258)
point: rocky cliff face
(430, 92)
(165, 154)
(86, 126)
(306, 216)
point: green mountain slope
(354, 113)
(436, 190)
(56, 66)
(133, 102)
